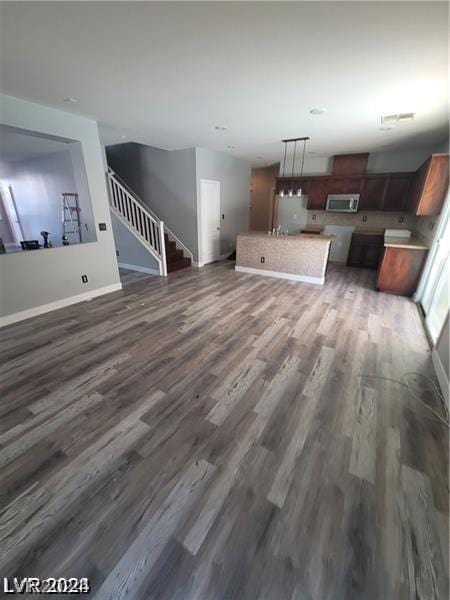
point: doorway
(433, 293)
(209, 223)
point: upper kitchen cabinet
(396, 192)
(429, 186)
(372, 193)
(317, 193)
(350, 164)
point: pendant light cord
(303, 157)
(284, 162)
(293, 160)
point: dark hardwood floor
(211, 436)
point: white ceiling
(166, 73)
(15, 145)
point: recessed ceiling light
(260, 157)
(318, 111)
(220, 127)
(123, 137)
(71, 100)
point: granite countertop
(412, 243)
(291, 238)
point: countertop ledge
(412, 243)
(291, 238)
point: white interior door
(11, 213)
(210, 220)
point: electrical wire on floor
(414, 392)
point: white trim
(445, 214)
(280, 275)
(44, 308)
(138, 268)
(200, 264)
(440, 374)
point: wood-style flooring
(215, 435)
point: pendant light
(299, 192)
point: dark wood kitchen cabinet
(365, 250)
(400, 270)
(430, 186)
(372, 193)
(396, 192)
(317, 193)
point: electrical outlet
(117, 253)
(401, 219)
(364, 219)
(102, 226)
(263, 259)
(223, 217)
(84, 278)
(314, 217)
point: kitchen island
(300, 257)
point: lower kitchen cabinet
(365, 251)
(400, 270)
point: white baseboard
(440, 374)
(44, 308)
(138, 268)
(280, 275)
(202, 264)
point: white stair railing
(148, 229)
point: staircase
(175, 258)
(148, 229)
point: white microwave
(342, 202)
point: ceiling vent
(397, 118)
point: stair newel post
(163, 268)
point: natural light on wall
(44, 195)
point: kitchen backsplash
(363, 219)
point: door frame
(443, 225)
(201, 262)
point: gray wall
(131, 251)
(169, 183)
(31, 280)
(165, 181)
(234, 176)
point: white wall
(36, 281)
(234, 175)
(379, 162)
